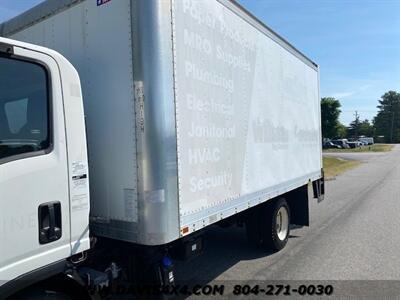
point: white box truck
(180, 114)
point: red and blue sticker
(101, 2)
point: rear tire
(268, 225)
(279, 226)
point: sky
(356, 43)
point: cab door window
(24, 109)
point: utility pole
(356, 127)
(391, 130)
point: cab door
(34, 204)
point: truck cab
(44, 188)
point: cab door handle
(49, 222)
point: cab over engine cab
(44, 202)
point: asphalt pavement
(354, 234)
(361, 156)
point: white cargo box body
(195, 110)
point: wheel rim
(282, 223)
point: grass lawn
(372, 148)
(334, 166)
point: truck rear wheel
(280, 225)
(269, 225)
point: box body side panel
(97, 40)
(248, 120)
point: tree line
(384, 127)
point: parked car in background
(330, 145)
(368, 140)
(363, 143)
(354, 144)
(343, 143)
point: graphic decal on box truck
(213, 104)
(247, 122)
(101, 2)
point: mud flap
(319, 187)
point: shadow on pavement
(223, 248)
